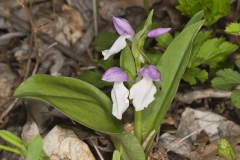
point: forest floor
(65, 38)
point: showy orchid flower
(143, 91)
(125, 31)
(119, 92)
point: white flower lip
(119, 93)
(120, 100)
(142, 93)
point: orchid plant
(136, 81)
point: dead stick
(34, 32)
(3, 115)
(193, 134)
(198, 94)
(46, 38)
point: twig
(34, 32)
(198, 94)
(46, 38)
(148, 139)
(97, 150)
(94, 5)
(29, 57)
(3, 115)
(193, 134)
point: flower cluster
(142, 92)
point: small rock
(64, 144)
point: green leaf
(213, 51)
(154, 56)
(235, 97)
(116, 155)
(13, 139)
(238, 63)
(190, 75)
(105, 41)
(110, 62)
(34, 148)
(132, 150)
(78, 100)
(127, 62)
(10, 149)
(196, 18)
(213, 9)
(200, 38)
(164, 40)
(139, 39)
(225, 149)
(172, 66)
(233, 28)
(226, 79)
(94, 79)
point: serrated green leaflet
(225, 149)
(200, 38)
(190, 75)
(79, 100)
(213, 51)
(238, 63)
(94, 79)
(226, 79)
(172, 66)
(213, 9)
(233, 28)
(235, 97)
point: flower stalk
(138, 125)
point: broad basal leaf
(190, 75)
(235, 97)
(172, 66)
(78, 100)
(226, 79)
(132, 150)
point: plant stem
(146, 6)
(94, 5)
(138, 125)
